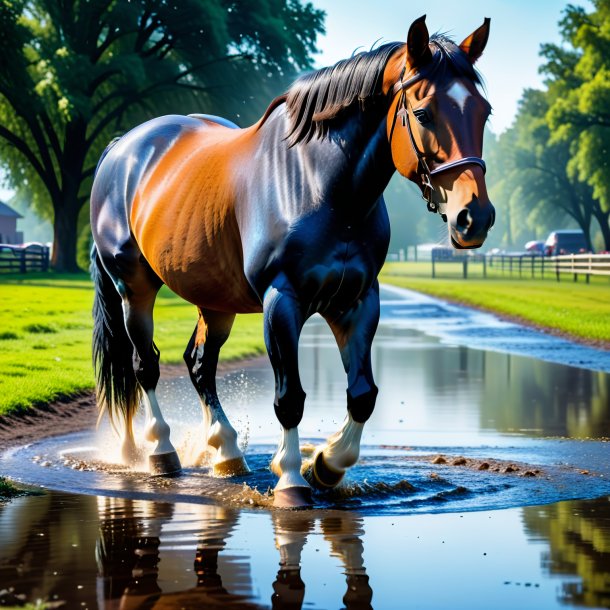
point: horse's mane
(316, 98)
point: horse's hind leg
(201, 357)
(354, 332)
(139, 291)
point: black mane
(315, 99)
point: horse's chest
(337, 280)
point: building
(8, 225)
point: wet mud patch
(386, 480)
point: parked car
(534, 247)
(565, 242)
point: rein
(423, 170)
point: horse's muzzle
(469, 227)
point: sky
(510, 61)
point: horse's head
(435, 127)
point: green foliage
(554, 157)
(7, 489)
(47, 352)
(83, 247)
(579, 111)
(76, 74)
(578, 309)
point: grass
(7, 490)
(574, 308)
(45, 337)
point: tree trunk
(603, 219)
(64, 239)
(67, 204)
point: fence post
(465, 268)
(542, 268)
(520, 267)
(574, 270)
(557, 268)
(433, 268)
(22, 267)
(485, 266)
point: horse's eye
(422, 116)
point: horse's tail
(117, 389)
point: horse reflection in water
(129, 552)
(286, 218)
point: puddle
(110, 553)
(417, 519)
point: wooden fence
(21, 259)
(527, 265)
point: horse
(287, 218)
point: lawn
(576, 308)
(45, 336)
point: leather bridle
(423, 169)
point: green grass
(578, 309)
(7, 490)
(45, 337)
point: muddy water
(456, 430)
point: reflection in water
(541, 398)
(422, 381)
(122, 554)
(578, 534)
(130, 552)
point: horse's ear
(474, 44)
(418, 51)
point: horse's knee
(361, 405)
(289, 408)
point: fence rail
(21, 259)
(527, 265)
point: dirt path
(76, 413)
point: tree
(579, 81)
(75, 73)
(536, 182)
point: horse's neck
(373, 166)
(350, 166)
(361, 139)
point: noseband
(423, 169)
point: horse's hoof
(322, 475)
(164, 464)
(292, 497)
(231, 468)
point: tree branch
(22, 146)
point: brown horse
(284, 217)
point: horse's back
(169, 186)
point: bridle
(423, 169)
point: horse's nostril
(463, 220)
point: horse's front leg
(283, 323)
(354, 332)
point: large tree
(579, 82)
(74, 73)
(535, 184)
